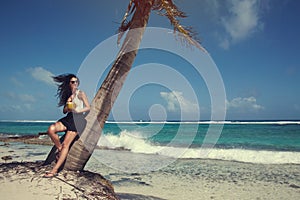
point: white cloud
(10, 95)
(16, 82)
(18, 103)
(225, 44)
(10, 108)
(26, 98)
(41, 74)
(243, 19)
(13, 109)
(176, 102)
(243, 104)
(20, 97)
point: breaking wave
(135, 143)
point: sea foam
(135, 143)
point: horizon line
(177, 121)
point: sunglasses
(73, 82)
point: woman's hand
(69, 107)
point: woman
(75, 105)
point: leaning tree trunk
(102, 103)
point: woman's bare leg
(52, 132)
(70, 136)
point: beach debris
(42, 133)
(27, 139)
(294, 186)
(85, 184)
(6, 158)
(5, 144)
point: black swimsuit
(74, 122)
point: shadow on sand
(128, 196)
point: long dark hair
(64, 91)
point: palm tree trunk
(101, 105)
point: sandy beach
(209, 179)
(181, 179)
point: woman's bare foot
(50, 174)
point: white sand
(22, 188)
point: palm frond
(165, 8)
(170, 10)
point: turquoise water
(13, 128)
(257, 142)
(280, 137)
(276, 136)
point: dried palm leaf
(168, 9)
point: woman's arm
(86, 103)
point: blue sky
(254, 44)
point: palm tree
(103, 101)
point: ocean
(267, 142)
